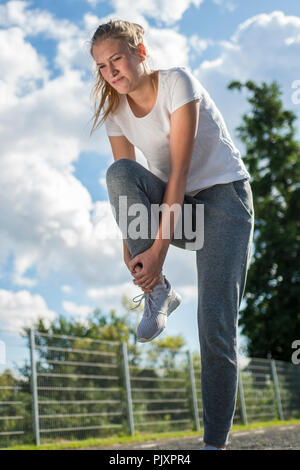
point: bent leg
(133, 190)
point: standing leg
(222, 269)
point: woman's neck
(146, 94)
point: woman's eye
(101, 67)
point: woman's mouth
(117, 81)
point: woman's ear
(142, 49)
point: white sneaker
(159, 303)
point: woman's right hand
(137, 268)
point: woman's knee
(120, 169)
(221, 346)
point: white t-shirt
(215, 158)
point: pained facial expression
(115, 62)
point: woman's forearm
(126, 251)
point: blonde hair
(132, 35)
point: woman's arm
(126, 252)
(183, 131)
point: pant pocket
(243, 193)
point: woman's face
(116, 62)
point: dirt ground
(268, 438)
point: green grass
(139, 437)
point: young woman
(192, 162)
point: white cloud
(93, 3)
(199, 45)
(51, 223)
(78, 311)
(72, 42)
(126, 288)
(167, 48)
(20, 309)
(261, 49)
(189, 292)
(34, 21)
(226, 4)
(20, 65)
(163, 11)
(211, 64)
(67, 289)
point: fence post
(276, 387)
(128, 388)
(35, 406)
(193, 388)
(242, 398)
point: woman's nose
(112, 68)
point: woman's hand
(137, 269)
(147, 276)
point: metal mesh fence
(15, 397)
(73, 388)
(197, 375)
(289, 389)
(258, 390)
(161, 391)
(78, 386)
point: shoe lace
(149, 302)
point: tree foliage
(271, 319)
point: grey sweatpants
(222, 264)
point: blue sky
(52, 260)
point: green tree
(15, 402)
(271, 319)
(98, 326)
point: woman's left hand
(152, 262)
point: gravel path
(267, 438)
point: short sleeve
(185, 88)
(112, 128)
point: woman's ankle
(212, 445)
